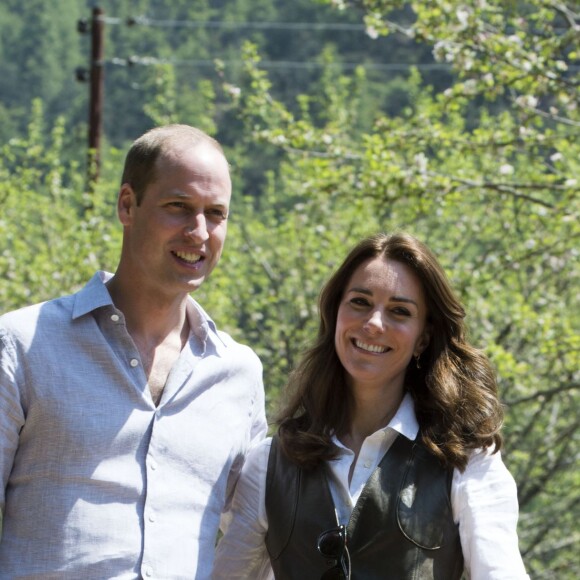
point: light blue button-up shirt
(98, 482)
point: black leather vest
(401, 527)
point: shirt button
(148, 572)
(115, 317)
(153, 465)
(134, 362)
(367, 464)
(152, 518)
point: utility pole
(96, 77)
(97, 93)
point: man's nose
(197, 229)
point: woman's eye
(359, 301)
(400, 311)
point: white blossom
(506, 169)
(470, 85)
(468, 63)
(372, 32)
(463, 16)
(527, 101)
(421, 161)
(444, 50)
(233, 90)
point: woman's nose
(375, 322)
(197, 230)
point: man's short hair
(140, 163)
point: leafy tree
(53, 233)
(39, 51)
(486, 173)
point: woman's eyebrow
(361, 290)
(403, 299)
(366, 291)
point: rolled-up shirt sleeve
(242, 553)
(485, 505)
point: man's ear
(126, 203)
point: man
(125, 415)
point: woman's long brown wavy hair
(454, 391)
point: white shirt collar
(404, 422)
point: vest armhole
(278, 464)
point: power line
(145, 21)
(272, 64)
(258, 25)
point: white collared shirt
(483, 498)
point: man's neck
(150, 316)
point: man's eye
(177, 204)
(216, 214)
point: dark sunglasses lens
(331, 543)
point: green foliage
(483, 168)
(39, 50)
(53, 234)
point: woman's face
(381, 324)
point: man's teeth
(370, 347)
(188, 257)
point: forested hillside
(332, 135)
(160, 59)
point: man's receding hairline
(175, 149)
(170, 134)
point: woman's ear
(423, 341)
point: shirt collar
(404, 422)
(95, 295)
(201, 324)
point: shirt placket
(152, 509)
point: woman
(386, 463)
